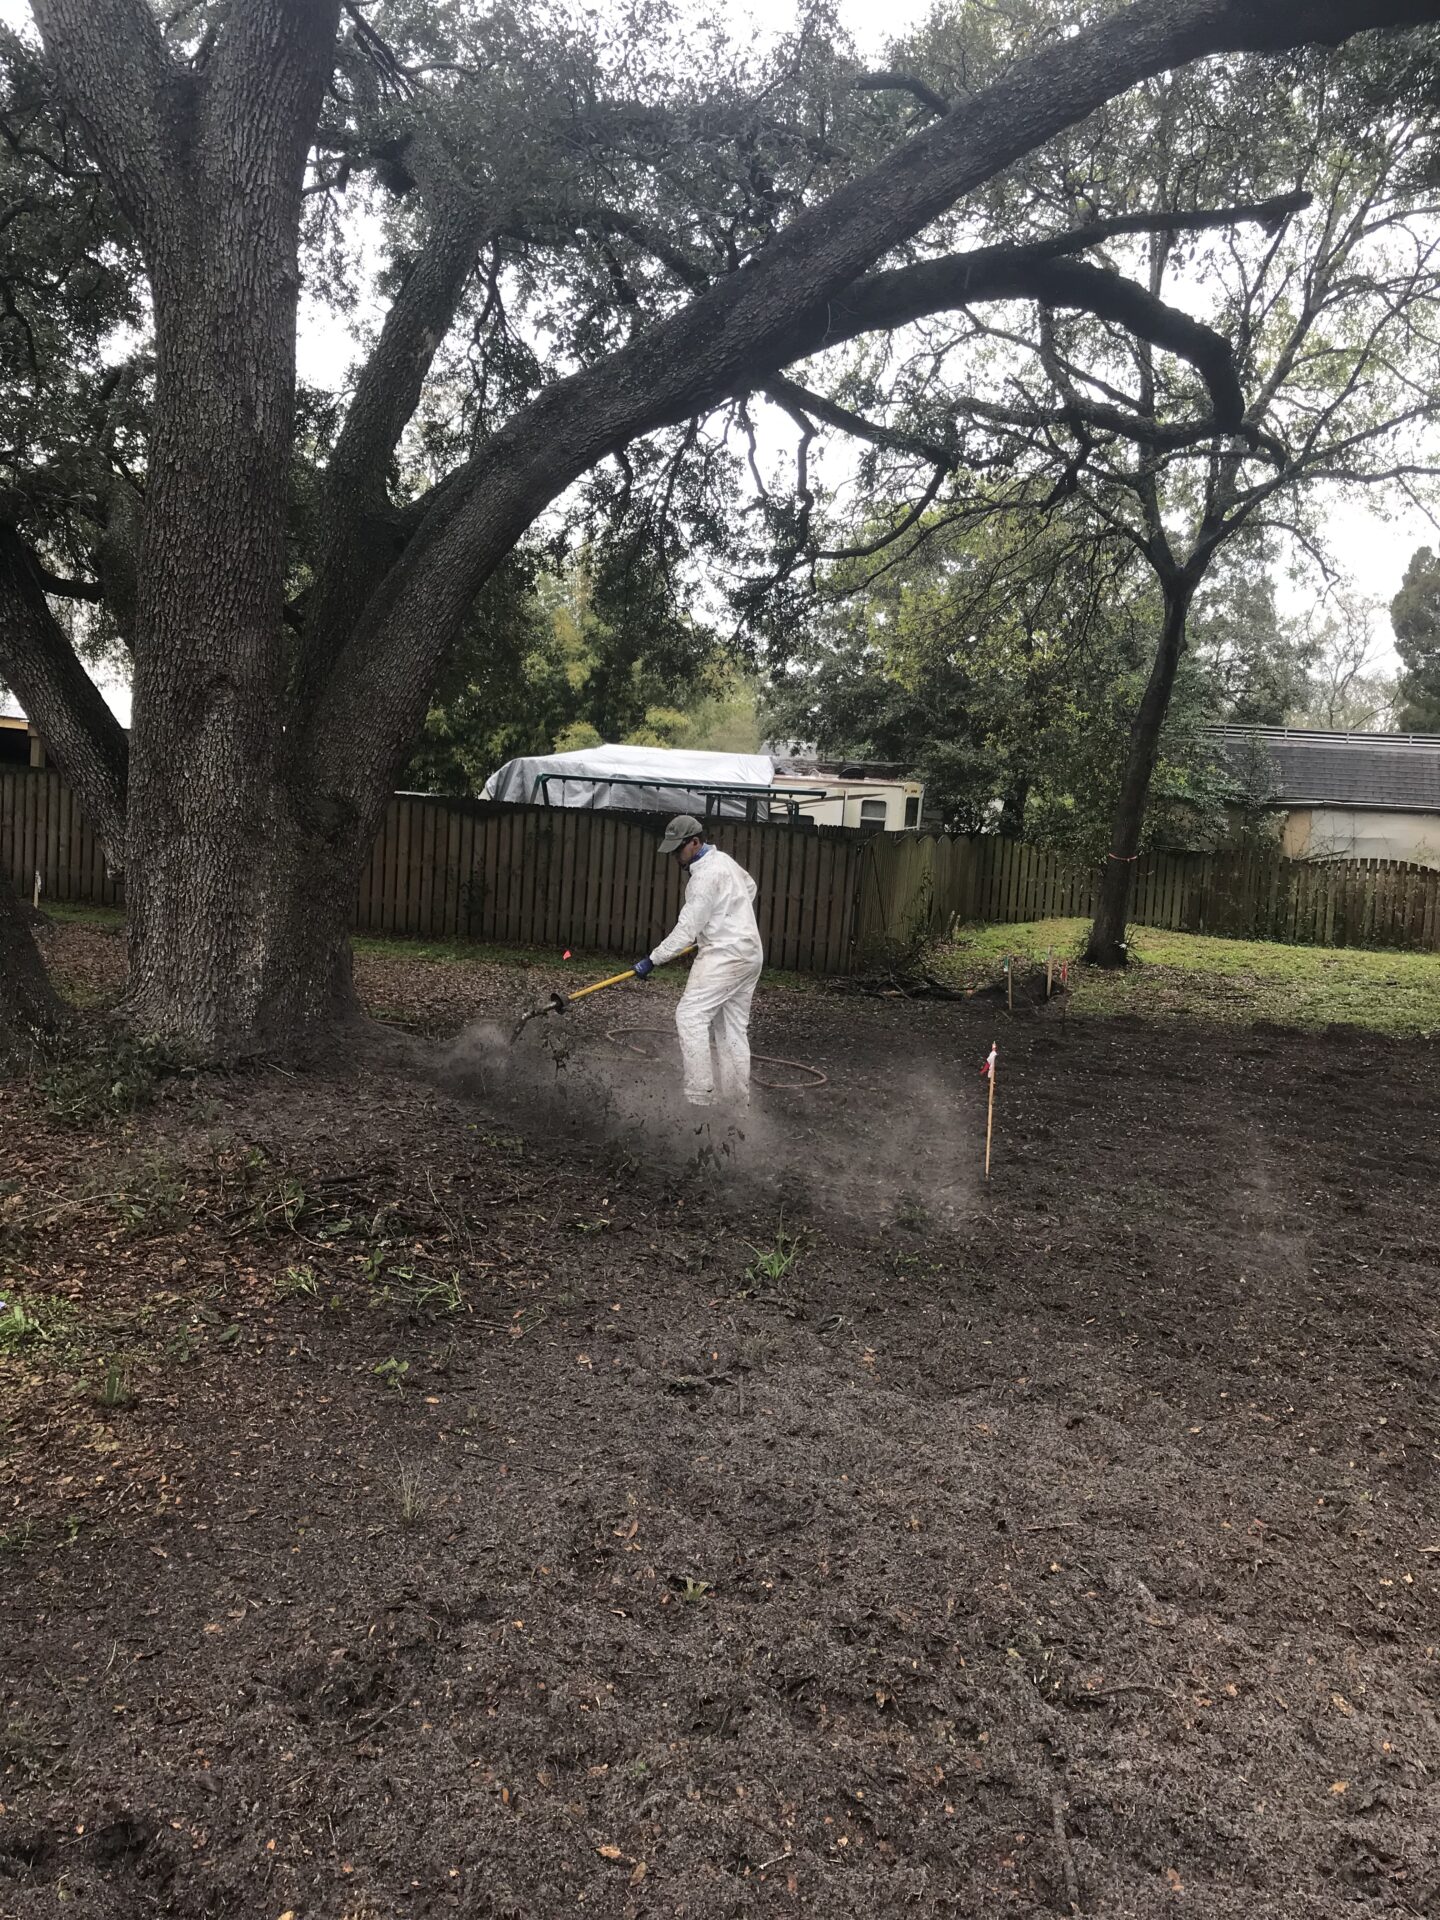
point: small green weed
(694, 1593)
(277, 1208)
(117, 1390)
(772, 1264)
(425, 1295)
(38, 1322)
(298, 1283)
(911, 1214)
(392, 1372)
(149, 1196)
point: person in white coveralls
(718, 917)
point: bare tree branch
(789, 394)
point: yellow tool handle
(615, 979)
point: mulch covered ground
(513, 1502)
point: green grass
(1183, 975)
(585, 964)
(1178, 975)
(38, 1321)
(84, 915)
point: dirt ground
(427, 1489)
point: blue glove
(643, 969)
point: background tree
(1415, 616)
(1207, 384)
(553, 658)
(1347, 689)
(1254, 661)
(1001, 659)
(598, 234)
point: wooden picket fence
(831, 900)
(1247, 894)
(563, 877)
(42, 831)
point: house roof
(1390, 772)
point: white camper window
(872, 813)
(912, 809)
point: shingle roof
(1394, 772)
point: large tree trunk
(214, 852)
(237, 915)
(1107, 946)
(28, 1003)
(241, 946)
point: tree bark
(59, 697)
(1107, 947)
(253, 960)
(232, 905)
(29, 1005)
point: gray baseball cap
(682, 828)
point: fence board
(830, 900)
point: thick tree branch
(887, 300)
(130, 97)
(770, 312)
(38, 662)
(70, 589)
(262, 100)
(362, 540)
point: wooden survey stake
(988, 1070)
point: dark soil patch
(1070, 1542)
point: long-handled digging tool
(558, 1002)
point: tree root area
(421, 1497)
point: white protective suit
(719, 917)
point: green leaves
(1415, 615)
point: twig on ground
(1067, 1857)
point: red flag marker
(566, 954)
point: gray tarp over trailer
(648, 779)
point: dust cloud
(887, 1142)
